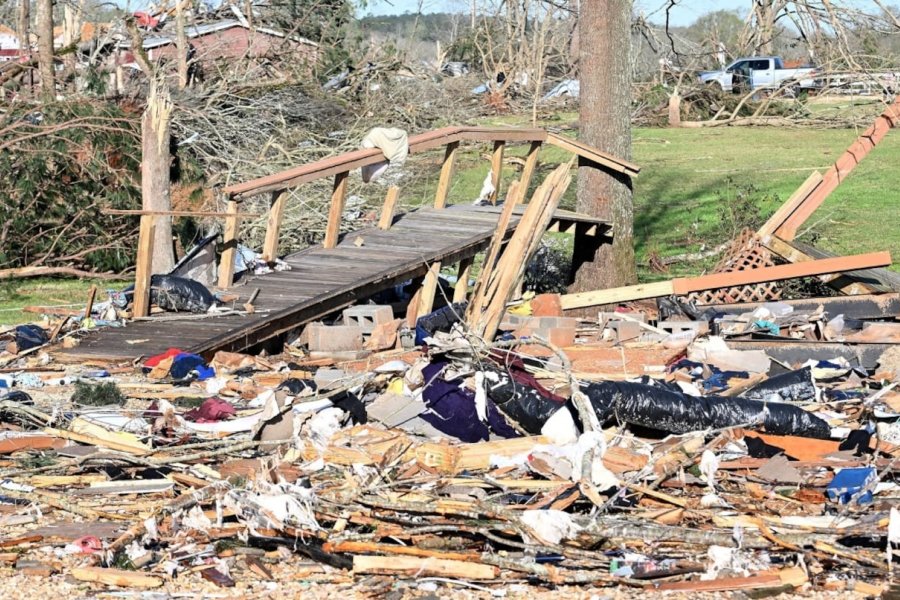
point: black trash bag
(180, 294)
(440, 320)
(677, 413)
(528, 405)
(18, 397)
(793, 386)
(30, 336)
(673, 307)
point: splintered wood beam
(841, 168)
(273, 226)
(229, 246)
(428, 289)
(594, 155)
(685, 285)
(144, 267)
(336, 211)
(792, 204)
(496, 169)
(447, 169)
(387, 210)
(531, 161)
(461, 289)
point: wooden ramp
(320, 282)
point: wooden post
(496, 168)
(530, 165)
(338, 197)
(429, 286)
(447, 168)
(273, 226)
(387, 211)
(229, 246)
(144, 267)
(461, 289)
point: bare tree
(605, 115)
(44, 30)
(22, 25)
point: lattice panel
(745, 253)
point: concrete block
(625, 331)
(337, 338)
(701, 327)
(368, 316)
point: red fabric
(211, 411)
(155, 360)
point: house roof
(6, 30)
(194, 31)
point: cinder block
(368, 316)
(551, 322)
(337, 338)
(701, 327)
(626, 331)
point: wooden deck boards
(320, 282)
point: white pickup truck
(761, 72)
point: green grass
(689, 175)
(45, 291)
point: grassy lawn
(690, 178)
(45, 291)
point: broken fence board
(685, 285)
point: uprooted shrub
(101, 394)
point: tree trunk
(44, 29)
(605, 122)
(155, 136)
(181, 46)
(22, 26)
(72, 20)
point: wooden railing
(339, 167)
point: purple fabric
(452, 409)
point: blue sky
(684, 13)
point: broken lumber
(685, 285)
(842, 167)
(117, 577)
(422, 567)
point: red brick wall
(236, 43)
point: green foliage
(61, 167)
(739, 207)
(101, 394)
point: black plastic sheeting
(793, 386)
(525, 402)
(440, 320)
(30, 336)
(180, 294)
(675, 412)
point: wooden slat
(336, 210)
(594, 155)
(229, 246)
(273, 226)
(144, 267)
(447, 169)
(531, 162)
(841, 168)
(496, 169)
(387, 210)
(461, 289)
(787, 209)
(429, 286)
(685, 285)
